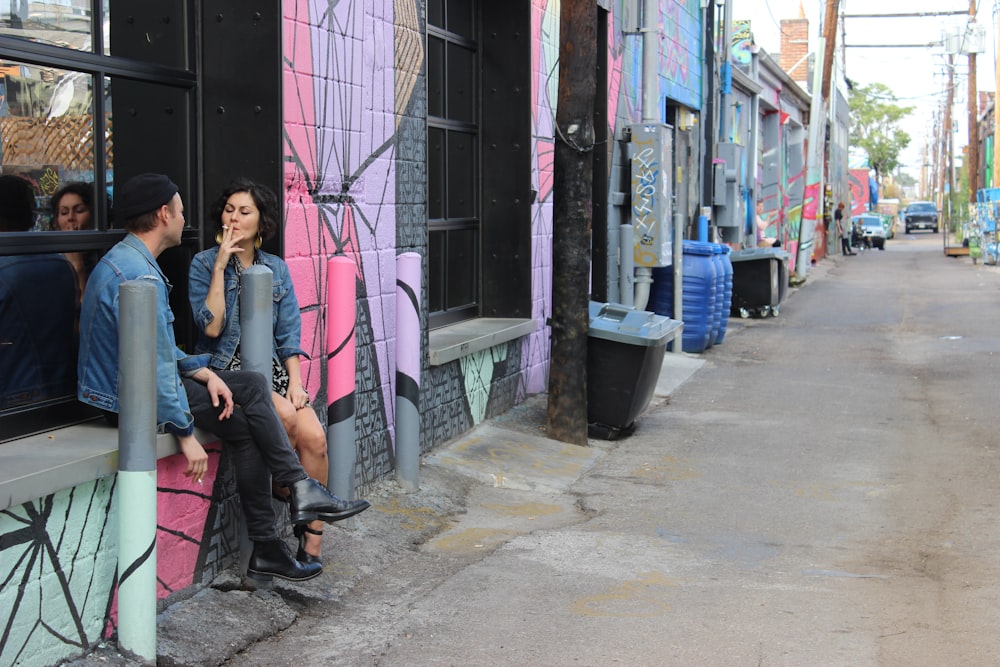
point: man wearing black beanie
(234, 405)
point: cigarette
(225, 226)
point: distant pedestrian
(844, 231)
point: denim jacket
(97, 367)
(286, 321)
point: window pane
(462, 175)
(463, 268)
(46, 131)
(435, 272)
(435, 13)
(38, 343)
(435, 173)
(461, 83)
(435, 77)
(65, 23)
(460, 18)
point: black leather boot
(274, 559)
(311, 501)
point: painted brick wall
(795, 48)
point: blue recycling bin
(725, 302)
(698, 286)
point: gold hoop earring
(218, 238)
(258, 243)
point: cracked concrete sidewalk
(462, 510)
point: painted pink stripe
(341, 317)
(408, 315)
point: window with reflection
(63, 23)
(61, 147)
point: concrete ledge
(465, 338)
(39, 465)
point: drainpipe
(650, 114)
(754, 133)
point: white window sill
(38, 465)
(465, 338)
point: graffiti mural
(355, 162)
(340, 118)
(58, 590)
(858, 181)
(57, 579)
(680, 51)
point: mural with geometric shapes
(57, 593)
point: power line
(904, 15)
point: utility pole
(946, 134)
(572, 215)
(812, 208)
(932, 184)
(830, 33)
(973, 159)
(924, 174)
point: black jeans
(845, 245)
(257, 443)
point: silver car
(872, 230)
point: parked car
(889, 222)
(871, 230)
(921, 215)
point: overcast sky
(917, 76)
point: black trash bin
(624, 355)
(760, 281)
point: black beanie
(142, 194)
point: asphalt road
(822, 491)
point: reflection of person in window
(38, 300)
(72, 210)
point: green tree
(875, 129)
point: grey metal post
(256, 344)
(136, 494)
(256, 317)
(408, 370)
(341, 371)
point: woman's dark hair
(263, 198)
(85, 191)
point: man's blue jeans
(257, 442)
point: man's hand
(196, 457)
(220, 393)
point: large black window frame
(479, 193)
(154, 89)
(189, 81)
(453, 150)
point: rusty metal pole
(572, 215)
